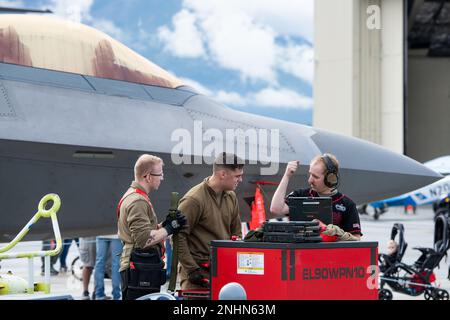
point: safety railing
(42, 213)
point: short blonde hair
(320, 158)
(144, 164)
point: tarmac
(419, 232)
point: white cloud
(294, 18)
(237, 43)
(73, 10)
(197, 86)
(12, 4)
(185, 40)
(230, 98)
(141, 40)
(281, 98)
(108, 27)
(242, 36)
(297, 60)
(80, 11)
(268, 97)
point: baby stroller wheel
(385, 294)
(441, 294)
(436, 294)
(77, 268)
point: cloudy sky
(251, 55)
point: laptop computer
(309, 208)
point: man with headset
(323, 181)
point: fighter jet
(423, 196)
(77, 108)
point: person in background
(108, 244)
(46, 246)
(63, 255)
(87, 250)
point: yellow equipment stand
(11, 284)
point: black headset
(331, 178)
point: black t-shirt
(345, 214)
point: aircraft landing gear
(378, 212)
(410, 209)
(371, 211)
(362, 209)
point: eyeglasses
(155, 174)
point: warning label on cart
(250, 263)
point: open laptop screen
(309, 208)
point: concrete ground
(419, 230)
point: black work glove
(254, 235)
(199, 277)
(174, 225)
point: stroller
(418, 278)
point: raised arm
(278, 205)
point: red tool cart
(296, 271)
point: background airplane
(423, 196)
(77, 108)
